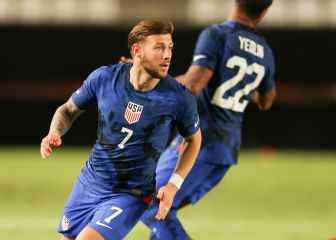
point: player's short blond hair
(146, 28)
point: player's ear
(136, 49)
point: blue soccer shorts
(113, 216)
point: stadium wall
(41, 66)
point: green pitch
(285, 195)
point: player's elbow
(266, 101)
(265, 107)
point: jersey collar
(234, 24)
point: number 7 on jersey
(129, 132)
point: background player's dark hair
(146, 28)
(253, 8)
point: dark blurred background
(49, 47)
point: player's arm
(206, 56)
(265, 94)
(187, 159)
(64, 117)
(191, 146)
(196, 78)
(61, 122)
(188, 125)
(66, 114)
(264, 101)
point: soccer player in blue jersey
(139, 106)
(232, 65)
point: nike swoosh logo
(198, 57)
(197, 122)
(103, 225)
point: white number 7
(128, 136)
(113, 215)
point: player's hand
(166, 196)
(126, 60)
(48, 143)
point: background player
(138, 108)
(232, 65)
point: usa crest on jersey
(133, 112)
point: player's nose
(167, 54)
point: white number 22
(233, 102)
(128, 136)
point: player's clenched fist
(166, 196)
(50, 141)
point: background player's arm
(62, 121)
(196, 78)
(264, 100)
(207, 53)
(167, 193)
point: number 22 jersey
(134, 127)
(242, 63)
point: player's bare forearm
(189, 154)
(62, 120)
(64, 117)
(264, 101)
(196, 78)
(255, 98)
(166, 194)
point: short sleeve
(187, 115)
(207, 48)
(268, 83)
(86, 94)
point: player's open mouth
(164, 66)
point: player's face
(156, 54)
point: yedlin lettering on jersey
(251, 46)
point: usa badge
(133, 112)
(65, 223)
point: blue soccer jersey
(242, 63)
(133, 128)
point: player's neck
(239, 17)
(142, 80)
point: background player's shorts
(113, 216)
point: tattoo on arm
(64, 117)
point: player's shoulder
(179, 89)
(107, 73)
(100, 73)
(217, 31)
(111, 69)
